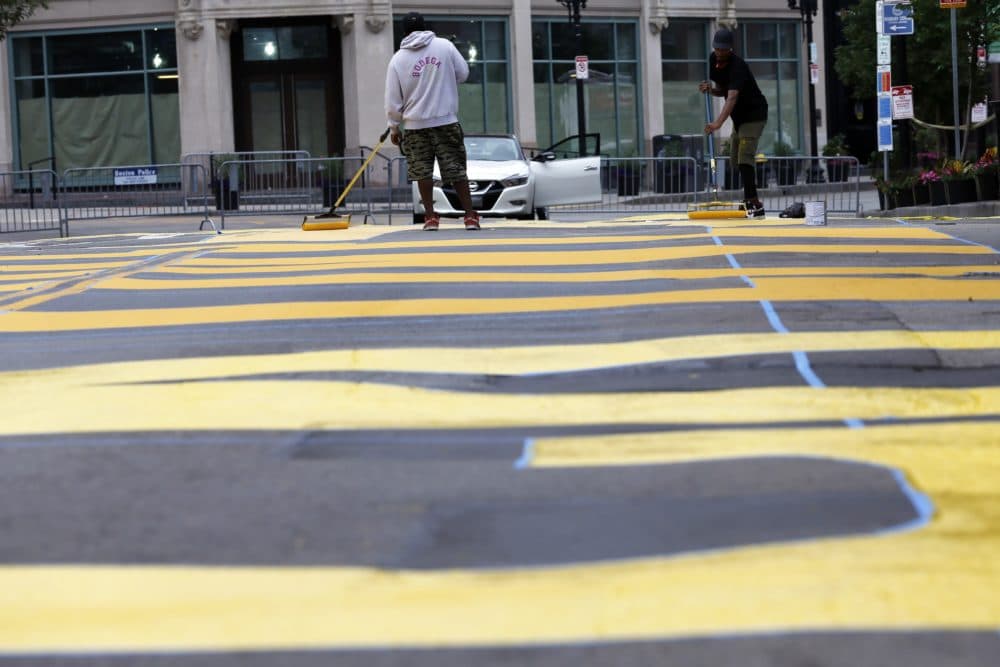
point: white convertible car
(506, 184)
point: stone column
(366, 49)
(6, 124)
(206, 94)
(652, 23)
(523, 74)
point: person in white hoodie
(421, 93)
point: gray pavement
(430, 486)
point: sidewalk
(978, 209)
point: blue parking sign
(897, 18)
(885, 136)
(885, 107)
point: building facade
(105, 82)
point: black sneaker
(755, 209)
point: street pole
(573, 7)
(954, 81)
(581, 116)
(808, 9)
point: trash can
(629, 178)
(227, 186)
(676, 175)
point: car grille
(484, 197)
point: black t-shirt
(751, 104)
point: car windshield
(493, 149)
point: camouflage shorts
(743, 145)
(446, 143)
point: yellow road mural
(939, 575)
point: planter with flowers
(838, 164)
(884, 197)
(959, 183)
(902, 191)
(986, 174)
(929, 189)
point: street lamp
(808, 9)
(573, 8)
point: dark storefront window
(611, 93)
(484, 103)
(96, 98)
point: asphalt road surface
(611, 442)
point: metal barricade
(302, 186)
(400, 192)
(212, 161)
(136, 191)
(784, 180)
(28, 202)
(638, 185)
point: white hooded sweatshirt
(421, 85)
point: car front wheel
(541, 213)
(418, 218)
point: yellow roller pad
(717, 214)
(313, 225)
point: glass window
(496, 84)
(611, 95)
(788, 41)
(540, 41)
(97, 99)
(95, 52)
(28, 56)
(302, 42)
(761, 42)
(166, 118)
(32, 128)
(496, 41)
(260, 44)
(625, 42)
(685, 40)
(484, 99)
(284, 43)
(684, 49)
(82, 108)
(597, 39)
(773, 52)
(161, 49)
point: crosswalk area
(665, 439)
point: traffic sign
(902, 102)
(883, 79)
(885, 136)
(897, 18)
(979, 112)
(582, 67)
(885, 107)
(952, 4)
(883, 45)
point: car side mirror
(547, 156)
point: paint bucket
(816, 213)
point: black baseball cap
(723, 39)
(413, 22)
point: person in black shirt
(732, 79)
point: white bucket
(815, 212)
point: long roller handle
(364, 165)
(712, 172)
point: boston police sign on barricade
(136, 175)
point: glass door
(288, 112)
(285, 78)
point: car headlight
(514, 180)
